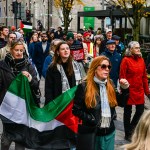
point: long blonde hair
(141, 135)
(91, 88)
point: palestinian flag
(26, 26)
(51, 127)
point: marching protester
(3, 51)
(94, 103)
(133, 69)
(51, 36)
(63, 74)
(87, 41)
(59, 33)
(21, 38)
(49, 58)
(3, 36)
(119, 45)
(103, 43)
(41, 51)
(79, 37)
(13, 64)
(115, 59)
(97, 43)
(77, 51)
(31, 46)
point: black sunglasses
(103, 66)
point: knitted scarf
(105, 108)
(64, 79)
(15, 64)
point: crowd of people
(107, 75)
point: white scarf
(64, 79)
(105, 108)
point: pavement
(119, 138)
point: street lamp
(15, 10)
(111, 8)
(30, 5)
(34, 13)
(102, 22)
(49, 13)
(6, 13)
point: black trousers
(130, 124)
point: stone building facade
(45, 11)
(40, 11)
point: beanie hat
(70, 36)
(86, 34)
(13, 28)
(19, 35)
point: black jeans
(6, 142)
(129, 125)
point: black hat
(110, 42)
(116, 37)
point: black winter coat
(53, 84)
(91, 117)
(7, 76)
(38, 56)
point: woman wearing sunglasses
(95, 100)
(133, 69)
(13, 64)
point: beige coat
(4, 51)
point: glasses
(103, 66)
(44, 36)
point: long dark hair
(57, 59)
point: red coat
(134, 70)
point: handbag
(123, 98)
(86, 137)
